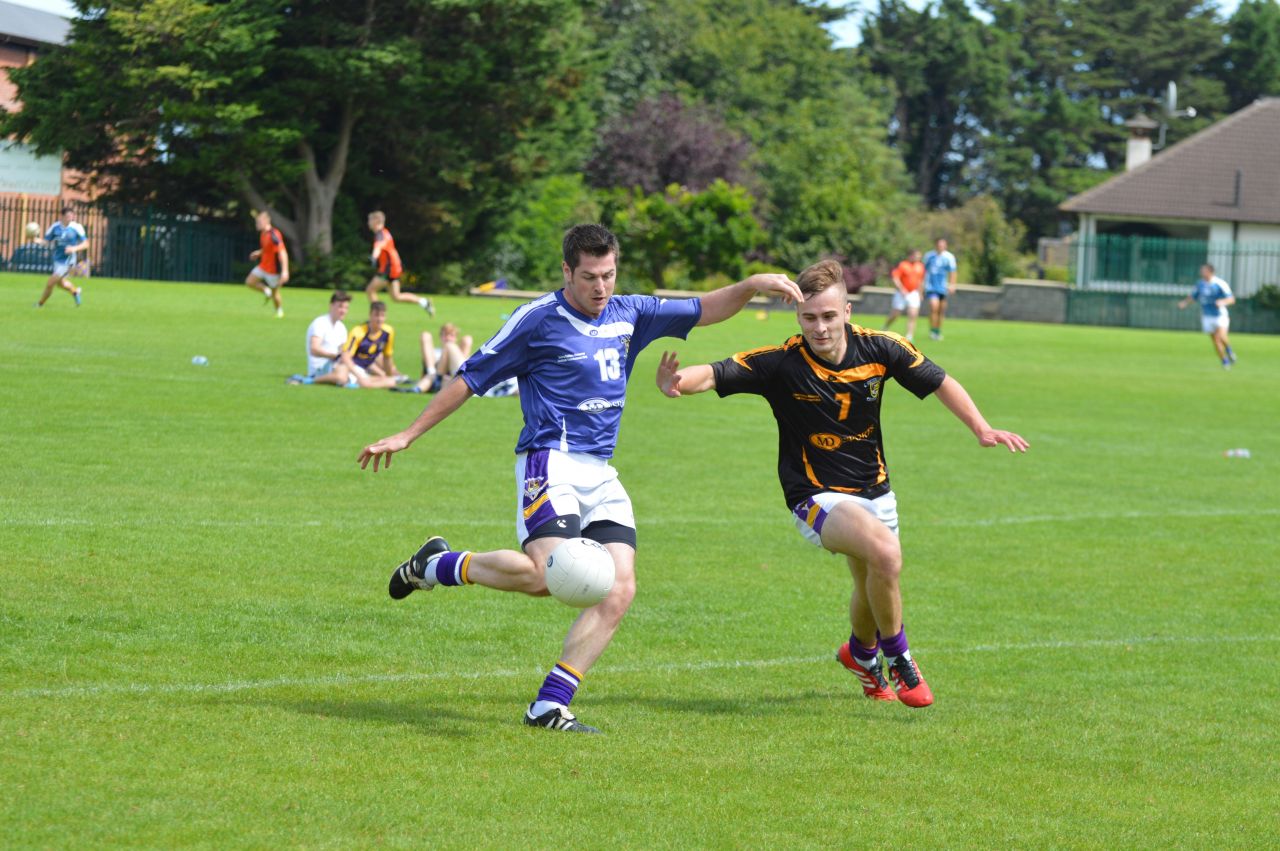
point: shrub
(331, 271)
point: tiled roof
(31, 26)
(1196, 178)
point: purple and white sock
(862, 654)
(894, 647)
(449, 568)
(557, 689)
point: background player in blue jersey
(824, 387)
(68, 238)
(572, 351)
(1214, 295)
(939, 282)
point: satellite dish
(1171, 103)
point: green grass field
(197, 648)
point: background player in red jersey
(272, 271)
(386, 263)
(824, 386)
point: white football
(33, 230)
(580, 573)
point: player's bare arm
(318, 350)
(675, 382)
(448, 400)
(720, 304)
(958, 401)
(284, 264)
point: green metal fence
(1143, 310)
(1133, 264)
(129, 242)
(1136, 281)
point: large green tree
(193, 103)
(825, 179)
(1078, 69)
(1251, 60)
(948, 72)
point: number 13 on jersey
(610, 364)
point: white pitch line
(652, 522)
(1189, 513)
(674, 667)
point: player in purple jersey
(572, 352)
(824, 386)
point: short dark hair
(377, 307)
(596, 240)
(68, 209)
(339, 295)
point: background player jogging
(272, 271)
(1214, 296)
(824, 386)
(387, 266)
(572, 351)
(939, 282)
(68, 239)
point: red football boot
(873, 682)
(907, 679)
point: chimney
(1138, 150)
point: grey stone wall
(1017, 300)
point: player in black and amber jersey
(824, 386)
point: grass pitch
(197, 649)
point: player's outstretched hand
(669, 375)
(382, 451)
(996, 437)
(779, 285)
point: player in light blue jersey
(68, 239)
(572, 352)
(1214, 295)
(939, 282)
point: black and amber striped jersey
(829, 414)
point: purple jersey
(573, 369)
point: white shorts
(355, 374)
(62, 268)
(902, 302)
(324, 368)
(1209, 324)
(812, 513)
(551, 484)
(267, 278)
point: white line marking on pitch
(1189, 513)
(705, 665)
(1104, 515)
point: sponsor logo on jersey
(831, 442)
(873, 389)
(596, 405)
(572, 356)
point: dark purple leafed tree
(664, 141)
